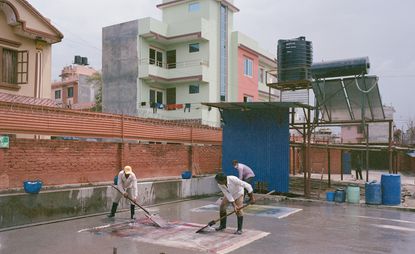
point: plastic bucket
(32, 187)
(186, 174)
(353, 194)
(330, 196)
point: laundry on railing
(174, 106)
(187, 106)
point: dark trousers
(250, 181)
(359, 173)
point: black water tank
(84, 60)
(341, 68)
(78, 60)
(295, 57)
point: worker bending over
(233, 191)
(127, 184)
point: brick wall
(318, 160)
(58, 162)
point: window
(155, 57)
(14, 66)
(193, 47)
(261, 75)
(194, 7)
(223, 52)
(194, 88)
(248, 98)
(70, 92)
(57, 94)
(156, 96)
(171, 59)
(171, 95)
(248, 67)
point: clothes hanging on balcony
(160, 105)
(174, 106)
(187, 106)
(153, 105)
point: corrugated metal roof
(27, 100)
(256, 105)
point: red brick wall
(318, 160)
(58, 162)
(406, 163)
(207, 159)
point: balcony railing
(176, 65)
(174, 72)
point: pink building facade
(248, 65)
(74, 90)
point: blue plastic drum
(373, 193)
(391, 189)
(340, 195)
(330, 196)
(353, 194)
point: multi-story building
(74, 90)
(26, 39)
(165, 69)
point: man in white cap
(127, 184)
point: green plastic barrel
(353, 194)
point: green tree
(96, 81)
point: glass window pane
(248, 65)
(70, 92)
(152, 56)
(159, 58)
(194, 7)
(194, 88)
(152, 96)
(194, 47)
(160, 97)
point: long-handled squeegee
(213, 222)
(155, 218)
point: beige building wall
(23, 28)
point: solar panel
(342, 99)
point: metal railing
(176, 65)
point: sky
(382, 30)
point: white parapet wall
(65, 202)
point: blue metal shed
(257, 134)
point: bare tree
(96, 81)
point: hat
(127, 170)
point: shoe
(220, 228)
(132, 212)
(113, 210)
(238, 232)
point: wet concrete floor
(320, 227)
